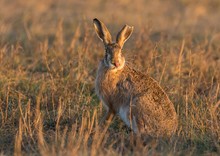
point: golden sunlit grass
(49, 54)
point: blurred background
(37, 18)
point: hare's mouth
(116, 65)
(112, 66)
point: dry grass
(48, 59)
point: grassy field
(49, 54)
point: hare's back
(148, 93)
(154, 111)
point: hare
(136, 97)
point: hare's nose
(116, 63)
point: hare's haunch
(137, 98)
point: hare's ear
(102, 31)
(124, 35)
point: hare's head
(113, 50)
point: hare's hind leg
(128, 118)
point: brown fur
(149, 106)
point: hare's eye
(106, 50)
